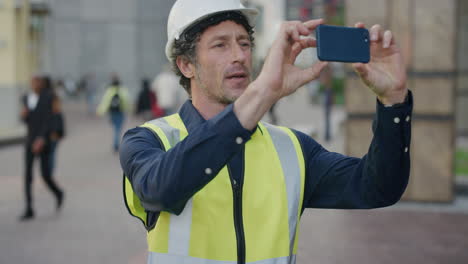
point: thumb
(313, 72)
(364, 72)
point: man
(213, 184)
(37, 114)
(115, 101)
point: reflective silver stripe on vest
(158, 258)
(172, 134)
(292, 173)
(179, 225)
(293, 259)
(180, 230)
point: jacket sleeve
(24, 103)
(46, 112)
(166, 180)
(376, 180)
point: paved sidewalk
(94, 226)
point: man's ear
(186, 67)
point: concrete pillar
(426, 30)
(10, 47)
(7, 43)
(23, 54)
(462, 78)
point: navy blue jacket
(165, 181)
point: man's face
(224, 62)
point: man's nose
(238, 53)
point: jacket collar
(190, 116)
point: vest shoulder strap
(169, 131)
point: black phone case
(342, 44)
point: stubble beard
(222, 98)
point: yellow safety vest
(270, 205)
(104, 105)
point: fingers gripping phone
(342, 44)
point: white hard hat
(185, 13)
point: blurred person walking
(326, 82)
(115, 102)
(37, 113)
(167, 87)
(213, 184)
(313, 89)
(146, 102)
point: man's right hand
(24, 113)
(279, 76)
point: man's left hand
(38, 145)
(385, 74)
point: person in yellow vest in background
(212, 184)
(116, 103)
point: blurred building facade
(70, 38)
(433, 37)
(104, 36)
(19, 36)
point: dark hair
(145, 84)
(47, 82)
(115, 80)
(186, 45)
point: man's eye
(245, 44)
(220, 45)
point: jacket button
(239, 140)
(208, 171)
(396, 120)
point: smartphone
(342, 44)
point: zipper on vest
(238, 219)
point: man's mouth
(237, 76)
